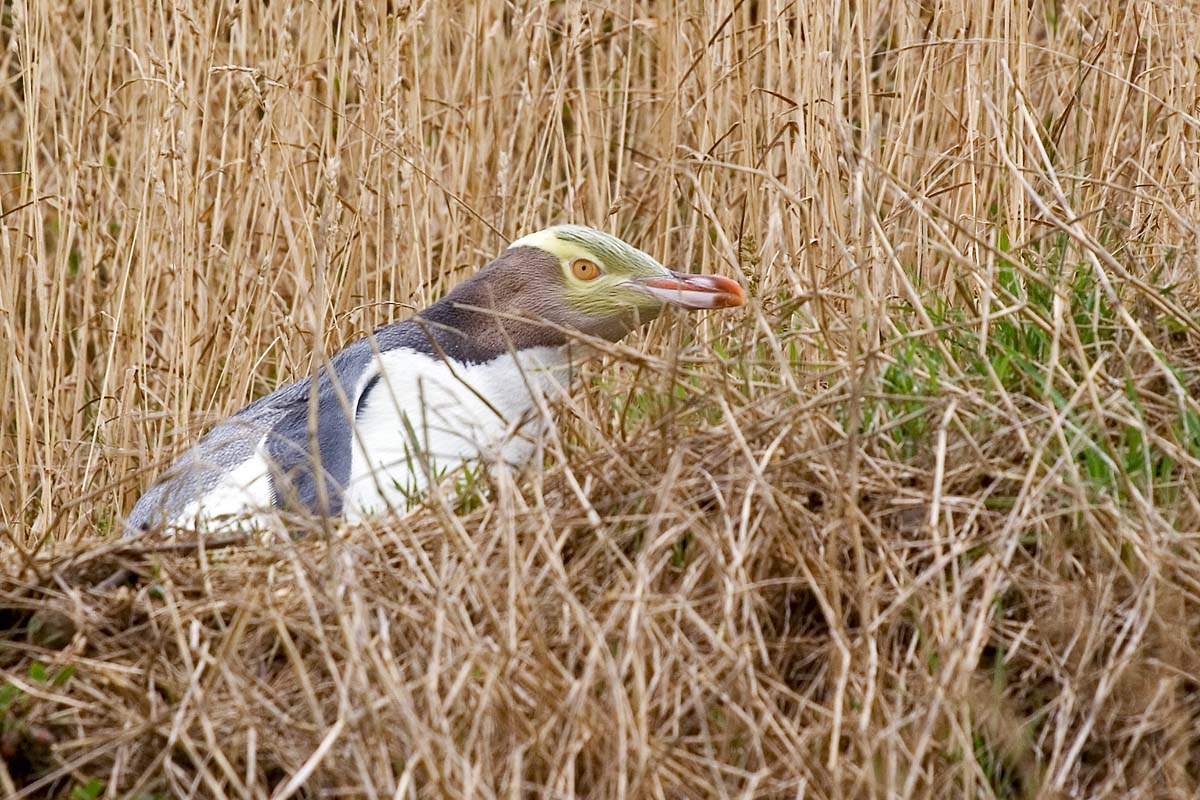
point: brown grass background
(750, 565)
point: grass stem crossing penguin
(458, 381)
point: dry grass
(921, 522)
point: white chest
(424, 419)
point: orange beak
(695, 291)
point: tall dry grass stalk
(921, 522)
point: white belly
(240, 501)
(423, 420)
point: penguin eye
(585, 270)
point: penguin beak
(695, 291)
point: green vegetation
(1061, 358)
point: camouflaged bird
(458, 382)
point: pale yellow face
(602, 275)
(610, 286)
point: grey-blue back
(297, 458)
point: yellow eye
(585, 270)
